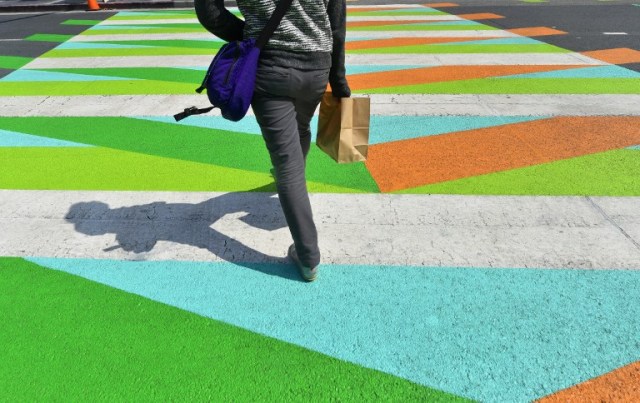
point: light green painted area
(518, 86)
(612, 173)
(69, 168)
(126, 52)
(49, 38)
(82, 22)
(174, 74)
(175, 43)
(478, 48)
(151, 30)
(13, 62)
(121, 87)
(425, 27)
(187, 143)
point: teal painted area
(96, 45)
(362, 69)
(249, 126)
(383, 128)
(493, 335)
(15, 139)
(635, 147)
(499, 41)
(394, 128)
(583, 72)
(37, 75)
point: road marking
(615, 33)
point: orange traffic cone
(92, 5)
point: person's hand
(341, 89)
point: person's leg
(276, 115)
(310, 85)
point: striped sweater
(310, 36)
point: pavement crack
(612, 222)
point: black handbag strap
(272, 24)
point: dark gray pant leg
(281, 108)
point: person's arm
(337, 10)
(218, 20)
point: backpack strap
(192, 110)
(272, 24)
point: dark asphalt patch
(585, 25)
(15, 28)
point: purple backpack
(231, 77)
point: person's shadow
(139, 228)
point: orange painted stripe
(536, 31)
(355, 24)
(433, 159)
(480, 16)
(615, 56)
(620, 385)
(442, 5)
(426, 75)
(394, 42)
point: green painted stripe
(178, 75)
(612, 173)
(43, 168)
(82, 22)
(176, 43)
(109, 32)
(520, 86)
(124, 52)
(121, 87)
(49, 38)
(65, 336)
(188, 143)
(476, 48)
(415, 27)
(13, 62)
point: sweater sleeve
(218, 20)
(337, 10)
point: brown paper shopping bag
(343, 127)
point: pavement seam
(606, 216)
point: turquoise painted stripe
(37, 75)
(635, 147)
(497, 41)
(15, 139)
(417, 10)
(583, 72)
(383, 129)
(96, 45)
(493, 335)
(362, 69)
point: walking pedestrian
(304, 54)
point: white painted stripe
(614, 33)
(355, 34)
(417, 230)
(450, 59)
(381, 104)
(356, 7)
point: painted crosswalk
(488, 249)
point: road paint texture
(415, 307)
